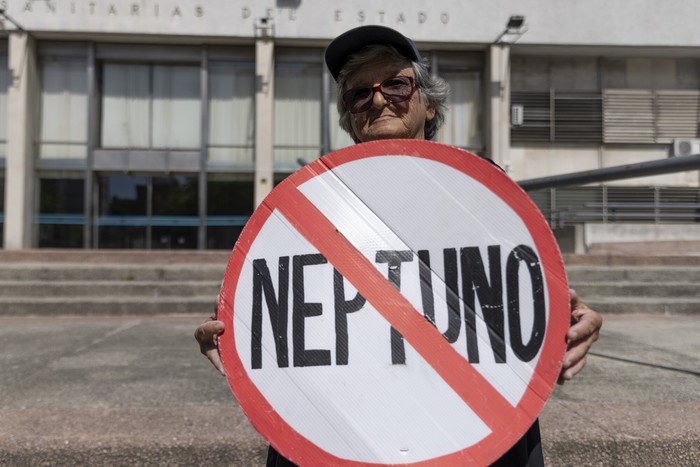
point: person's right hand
(207, 335)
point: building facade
(162, 124)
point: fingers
(207, 331)
(584, 331)
(575, 357)
(586, 325)
(568, 373)
(207, 335)
(213, 356)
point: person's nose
(378, 99)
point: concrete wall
(587, 23)
(541, 160)
(618, 232)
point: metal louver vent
(558, 116)
(578, 116)
(645, 116)
(628, 116)
(536, 116)
(677, 115)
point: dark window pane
(122, 211)
(61, 216)
(230, 197)
(230, 202)
(172, 238)
(123, 195)
(61, 196)
(122, 237)
(175, 196)
(223, 238)
(60, 236)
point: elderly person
(386, 91)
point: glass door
(146, 211)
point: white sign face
(394, 303)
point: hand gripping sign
(394, 302)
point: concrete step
(637, 289)
(152, 289)
(77, 282)
(648, 305)
(108, 305)
(651, 274)
(45, 256)
(110, 272)
(648, 259)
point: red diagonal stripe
(453, 368)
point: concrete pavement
(134, 390)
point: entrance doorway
(146, 211)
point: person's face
(384, 120)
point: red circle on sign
(507, 423)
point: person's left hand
(584, 330)
(207, 336)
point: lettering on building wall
(359, 16)
(185, 10)
(95, 8)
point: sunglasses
(396, 89)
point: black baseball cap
(353, 40)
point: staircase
(60, 282)
(54, 282)
(625, 284)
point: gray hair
(433, 88)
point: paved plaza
(134, 390)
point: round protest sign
(394, 302)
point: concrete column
(19, 164)
(498, 107)
(264, 117)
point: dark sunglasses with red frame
(396, 89)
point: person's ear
(430, 113)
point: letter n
(490, 293)
(277, 307)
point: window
(297, 109)
(230, 203)
(64, 108)
(231, 114)
(123, 207)
(463, 127)
(141, 211)
(150, 107)
(174, 212)
(339, 139)
(61, 206)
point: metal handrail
(619, 172)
